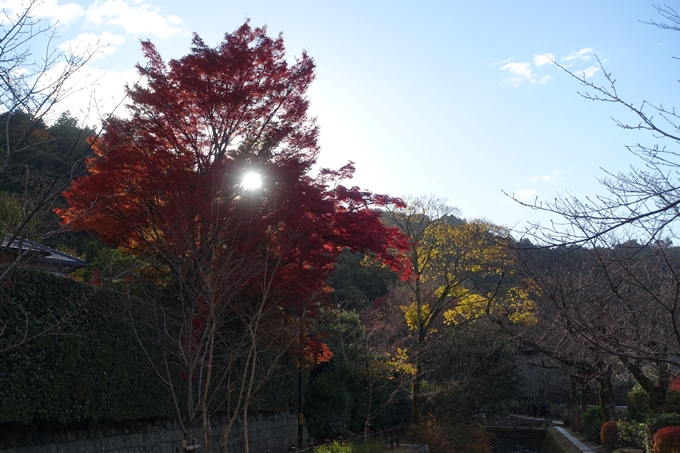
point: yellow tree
(459, 274)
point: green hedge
(638, 403)
(87, 371)
(591, 422)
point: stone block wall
(275, 432)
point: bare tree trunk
(246, 447)
(367, 422)
(253, 370)
(607, 403)
(205, 416)
(574, 403)
(656, 389)
(416, 411)
(225, 435)
(416, 414)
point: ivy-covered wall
(87, 371)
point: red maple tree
(169, 177)
(166, 183)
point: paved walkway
(580, 445)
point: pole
(301, 417)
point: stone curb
(577, 443)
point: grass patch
(368, 446)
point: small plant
(609, 435)
(632, 434)
(667, 440)
(368, 446)
(335, 447)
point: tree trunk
(607, 403)
(246, 447)
(585, 393)
(416, 416)
(416, 413)
(656, 389)
(367, 422)
(574, 402)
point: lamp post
(301, 417)
(301, 361)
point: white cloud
(47, 9)
(136, 19)
(501, 62)
(584, 54)
(546, 58)
(90, 43)
(524, 71)
(519, 72)
(524, 195)
(96, 94)
(64, 14)
(589, 72)
(555, 175)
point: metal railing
(515, 423)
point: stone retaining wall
(555, 442)
(274, 432)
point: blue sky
(455, 99)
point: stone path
(580, 445)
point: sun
(251, 181)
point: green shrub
(369, 446)
(591, 422)
(673, 402)
(632, 434)
(658, 421)
(637, 404)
